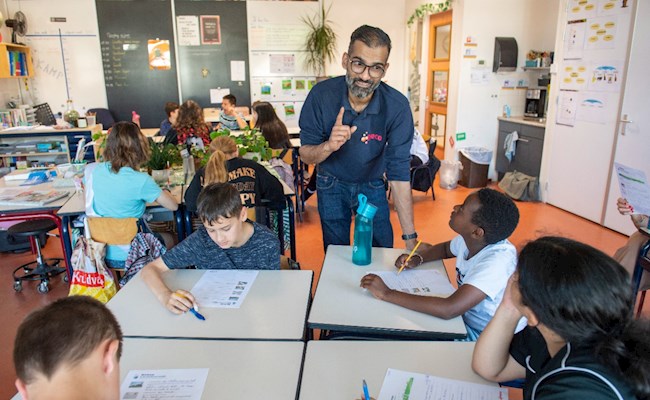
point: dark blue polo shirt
(381, 143)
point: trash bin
(449, 174)
(475, 161)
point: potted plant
(320, 43)
(162, 157)
(251, 143)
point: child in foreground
(582, 341)
(69, 349)
(227, 240)
(485, 260)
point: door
(435, 119)
(633, 130)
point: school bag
(145, 248)
(422, 176)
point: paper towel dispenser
(505, 54)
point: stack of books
(17, 63)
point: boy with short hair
(171, 110)
(229, 118)
(485, 260)
(69, 349)
(227, 240)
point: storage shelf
(52, 153)
(539, 69)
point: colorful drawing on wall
(574, 76)
(605, 77)
(311, 84)
(300, 84)
(595, 107)
(210, 29)
(289, 110)
(286, 84)
(265, 90)
(580, 9)
(159, 55)
(601, 33)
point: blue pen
(197, 314)
(365, 391)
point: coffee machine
(535, 103)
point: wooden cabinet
(528, 154)
(15, 61)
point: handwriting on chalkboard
(115, 49)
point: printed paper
(223, 288)
(634, 187)
(164, 384)
(421, 282)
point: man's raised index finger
(339, 118)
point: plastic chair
(42, 269)
(104, 117)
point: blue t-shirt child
(121, 195)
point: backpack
(145, 248)
(282, 168)
(422, 176)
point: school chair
(42, 268)
(113, 231)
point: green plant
(248, 141)
(100, 145)
(426, 9)
(163, 155)
(320, 43)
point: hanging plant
(426, 9)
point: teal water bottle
(362, 249)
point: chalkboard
(223, 38)
(127, 28)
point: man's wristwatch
(410, 236)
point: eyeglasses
(375, 71)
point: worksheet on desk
(164, 384)
(223, 288)
(411, 385)
(421, 282)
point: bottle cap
(366, 209)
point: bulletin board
(138, 55)
(218, 57)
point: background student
(227, 240)
(255, 183)
(69, 349)
(190, 125)
(171, 110)
(273, 129)
(229, 118)
(582, 341)
(119, 189)
(485, 260)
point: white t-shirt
(488, 271)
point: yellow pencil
(409, 257)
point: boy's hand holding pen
(404, 261)
(183, 301)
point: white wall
(473, 109)
(347, 15)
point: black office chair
(41, 269)
(104, 117)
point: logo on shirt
(367, 137)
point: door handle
(624, 121)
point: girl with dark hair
(273, 129)
(582, 341)
(119, 189)
(190, 125)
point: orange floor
(431, 223)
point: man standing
(356, 128)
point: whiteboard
(278, 26)
(81, 52)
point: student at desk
(227, 240)
(485, 260)
(119, 189)
(190, 126)
(582, 341)
(229, 118)
(69, 349)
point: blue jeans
(337, 202)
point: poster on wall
(605, 76)
(210, 29)
(601, 33)
(614, 7)
(574, 39)
(187, 28)
(596, 107)
(581, 9)
(567, 107)
(282, 63)
(574, 75)
(159, 54)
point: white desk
(340, 305)
(335, 369)
(15, 185)
(238, 369)
(295, 142)
(274, 309)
